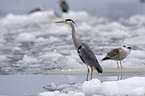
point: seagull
(118, 54)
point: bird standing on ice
(84, 51)
(118, 54)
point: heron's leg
(117, 65)
(91, 72)
(121, 64)
(87, 72)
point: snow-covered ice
(34, 38)
(134, 86)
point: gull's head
(126, 48)
(67, 21)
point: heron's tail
(106, 58)
(98, 68)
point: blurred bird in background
(64, 6)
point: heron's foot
(86, 79)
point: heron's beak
(60, 22)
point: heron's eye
(128, 47)
(68, 20)
(124, 46)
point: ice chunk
(124, 87)
(135, 40)
(29, 59)
(91, 87)
(72, 63)
(51, 56)
(137, 19)
(138, 91)
(57, 93)
(26, 37)
(137, 54)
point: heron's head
(125, 47)
(67, 21)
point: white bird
(118, 54)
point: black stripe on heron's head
(71, 21)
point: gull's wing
(112, 54)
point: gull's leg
(87, 72)
(91, 72)
(117, 65)
(119, 77)
(121, 64)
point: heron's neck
(75, 40)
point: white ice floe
(51, 56)
(53, 42)
(12, 19)
(72, 63)
(137, 19)
(134, 86)
(135, 40)
(1, 38)
(111, 27)
(26, 37)
(92, 87)
(57, 93)
(28, 59)
(137, 54)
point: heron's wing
(88, 57)
(113, 53)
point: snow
(92, 87)
(135, 40)
(26, 37)
(134, 86)
(57, 93)
(28, 59)
(125, 87)
(72, 63)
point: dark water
(102, 8)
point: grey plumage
(87, 56)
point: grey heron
(118, 54)
(64, 6)
(84, 52)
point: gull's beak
(60, 22)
